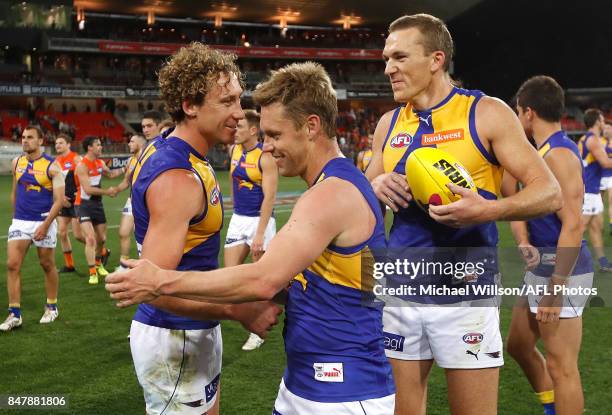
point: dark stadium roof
(311, 12)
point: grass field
(85, 354)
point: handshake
(111, 191)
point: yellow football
(429, 170)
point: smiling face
(217, 118)
(62, 147)
(288, 145)
(408, 66)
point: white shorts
(242, 229)
(606, 183)
(593, 205)
(455, 337)
(178, 370)
(24, 230)
(288, 403)
(573, 304)
(127, 208)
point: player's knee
(47, 264)
(560, 369)
(12, 264)
(90, 240)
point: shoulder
(176, 187)
(386, 119)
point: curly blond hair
(303, 89)
(189, 73)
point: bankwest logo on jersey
(441, 137)
(328, 372)
(401, 140)
(247, 165)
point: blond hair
(303, 89)
(434, 33)
(188, 74)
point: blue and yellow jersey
(330, 334)
(608, 146)
(34, 195)
(592, 168)
(367, 158)
(544, 231)
(451, 127)
(245, 170)
(203, 236)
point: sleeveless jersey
(333, 341)
(68, 165)
(451, 127)
(592, 169)
(34, 193)
(245, 170)
(365, 161)
(94, 169)
(608, 147)
(203, 236)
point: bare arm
(83, 174)
(14, 188)
(519, 228)
(127, 179)
(499, 128)
(269, 185)
(111, 174)
(331, 211)
(598, 150)
(360, 160)
(390, 188)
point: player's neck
(35, 155)
(250, 144)
(594, 130)
(192, 137)
(439, 88)
(319, 159)
(91, 157)
(64, 154)
(542, 130)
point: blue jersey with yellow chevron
(203, 236)
(245, 170)
(592, 168)
(608, 147)
(334, 342)
(449, 126)
(34, 196)
(544, 231)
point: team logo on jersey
(67, 165)
(393, 342)
(329, 372)
(20, 170)
(401, 140)
(235, 163)
(473, 338)
(215, 195)
(442, 137)
(33, 188)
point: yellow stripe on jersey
(38, 171)
(212, 221)
(542, 151)
(147, 153)
(344, 269)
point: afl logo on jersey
(215, 195)
(401, 140)
(473, 338)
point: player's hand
(66, 202)
(530, 255)
(549, 308)
(257, 247)
(111, 191)
(137, 285)
(41, 232)
(257, 317)
(469, 210)
(392, 189)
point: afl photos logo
(401, 140)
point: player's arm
(83, 175)
(566, 167)
(326, 211)
(520, 232)
(598, 150)
(58, 186)
(498, 125)
(269, 184)
(164, 243)
(127, 178)
(390, 188)
(14, 187)
(111, 174)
